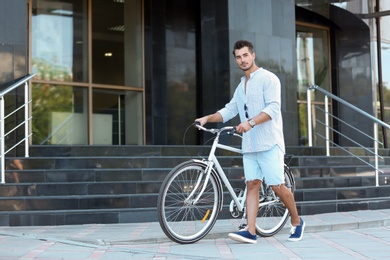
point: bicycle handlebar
(231, 129)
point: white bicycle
(191, 197)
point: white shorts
(266, 166)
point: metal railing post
(26, 121)
(376, 154)
(309, 126)
(327, 125)
(2, 141)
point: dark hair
(241, 44)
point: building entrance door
(313, 68)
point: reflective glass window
(116, 43)
(385, 58)
(117, 117)
(60, 114)
(59, 40)
(385, 51)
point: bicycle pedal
(242, 226)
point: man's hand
(202, 120)
(243, 127)
(213, 118)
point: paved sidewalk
(150, 232)
(147, 240)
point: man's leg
(298, 225)
(252, 207)
(253, 177)
(252, 204)
(288, 199)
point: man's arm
(259, 119)
(212, 118)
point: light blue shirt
(263, 94)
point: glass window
(116, 43)
(313, 59)
(60, 48)
(385, 52)
(59, 114)
(108, 42)
(386, 76)
(117, 117)
(59, 40)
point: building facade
(138, 72)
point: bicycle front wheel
(273, 214)
(183, 217)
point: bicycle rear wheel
(181, 218)
(273, 214)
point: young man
(257, 101)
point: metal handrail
(315, 87)
(3, 116)
(375, 120)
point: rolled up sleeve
(230, 110)
(272, 97)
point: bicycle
(191, 197)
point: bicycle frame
(212, 162)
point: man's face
(244, 58)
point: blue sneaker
(243, 236)
(297, 232)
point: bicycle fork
(235, 212)
(189, 200)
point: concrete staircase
(63, 185)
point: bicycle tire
(272, 217)
(182, 221)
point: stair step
(105, 199)
(304, 177)
(116, 162)
(77, 217)
(34, 203)
(138, 215)
(343, 193)
(110, 151)
(193, 150)
(319, 207)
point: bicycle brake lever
(232, 132)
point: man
(257, 101)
